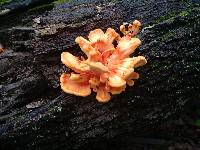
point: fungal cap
(74, 87)
(102, 95)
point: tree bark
(36, 114)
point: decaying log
(36, 114)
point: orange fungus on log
(108, 68)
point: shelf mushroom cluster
(108, 68)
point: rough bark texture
(36, 114)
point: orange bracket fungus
(108, 68)
(1, 48)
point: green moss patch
(4, 1)
(61, 1)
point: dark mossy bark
(36, 114)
